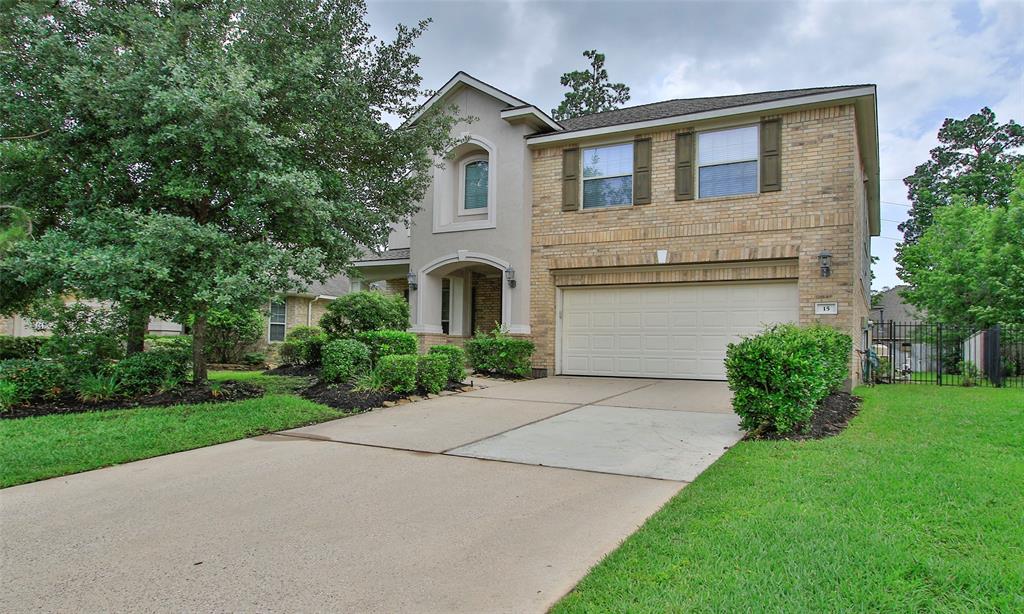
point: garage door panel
(678, 331)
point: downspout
(309, 308)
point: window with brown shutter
(771, 159)
(684, 166)
(642, 171)
(570, 179)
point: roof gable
(467, 80)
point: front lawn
(58, 444)
(273, 384)
(918, 506)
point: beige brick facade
(486, 302)
(775, 235)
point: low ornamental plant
(98, 387)
(20, 347)
(432, 372)
(397, 372)
(33, 379)
(779, 376)
(303, 346)
(344, 360)
(456, 360)
(148, 372)
(359, 312)
(8, 395)
(499, 353)
(388, 343)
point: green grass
(48, 446)
(917, 507)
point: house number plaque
(826, 309)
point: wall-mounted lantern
(510, 275)
(411, 278)
(825, 260)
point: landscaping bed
(185, 394)
(296, 370)
(342, 396)
(831, 417)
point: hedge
(456, 360)
(358, 312)
(147, 372)
(388, 342)
(303, 346)
(397, 372)
(344, 360)
(779, 376)
(432, 372)
(32, 379)
(20, 347)
(500, 354)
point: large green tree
(968, 265)
(189, 156)
(590, 90)
(974, 162)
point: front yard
(48, 446)
(918, 506)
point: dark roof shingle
(686, 106)
(398, 253)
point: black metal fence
(945, 354)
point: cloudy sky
(929, 60)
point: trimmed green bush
(303, 346)
(500, 354)
(20, 347)
(34, 379)
(358, 312)
(254, 358)
(387, 343)
(344, 360)
(183, 342)
(397, 372)
(432, 372)
(779, 376)
(147, 372)
(456, 360)
(229, 334)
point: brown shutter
(684, 166)
(570, 179)
(771, 161)
(642, 171)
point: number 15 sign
(826, 309)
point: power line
(889, 202)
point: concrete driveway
(394, 510)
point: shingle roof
(399, 253)
(686, 106)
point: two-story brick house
(640, 242)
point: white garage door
(676, 331)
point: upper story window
(608, 176)
(727, 162)
(277, 320)
(474, 177)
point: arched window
(474, 174)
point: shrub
(456, 360)
(8, 395)
(498, 353)
(98, 387)
(183, 342)
(34, 379)
(387, 343)
(397, 372)
(303, 346)
(84, 338)
(20, 347)
(230, 333)
(432, 372)
(358, 312)
(254, 358)
(779, 376)
(147, 372)
(344, 360)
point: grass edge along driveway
(43, 447)
(913, 508)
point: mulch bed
(302, 370)
(341, 396)
(186, 394)
(830, 418)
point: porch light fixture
(411, 278)
(825, 260)
(510, 275)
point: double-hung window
(277, 320)
(474, 185)
(727, 161)
(608, 176)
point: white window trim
(583, 156)
(445, 218)
(481, 157)
(756, 160)
(270, 319)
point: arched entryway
(461, 293)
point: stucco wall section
(815, 210)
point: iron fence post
(938, 362)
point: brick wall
(486, 302)
(776, 235)
(396, 286)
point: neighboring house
(889, 306)
(641, 241)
